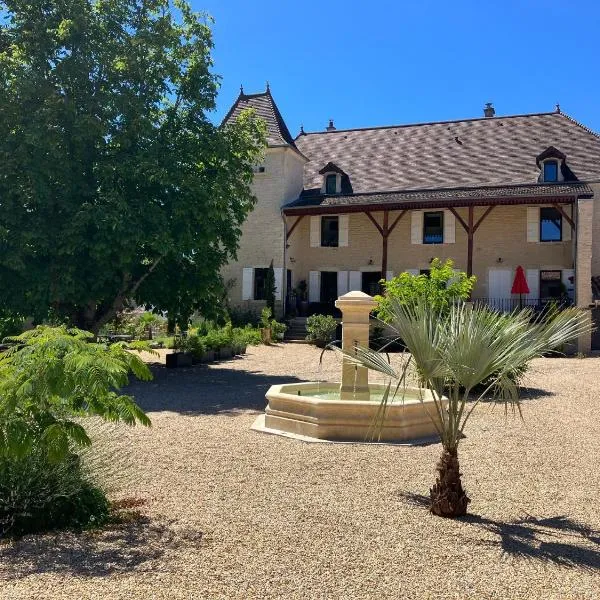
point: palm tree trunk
(448, 499)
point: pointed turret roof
(277, 132)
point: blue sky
(382, 63)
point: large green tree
(114, 184)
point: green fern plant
(52, 376)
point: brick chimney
(489, 110)
(331, 126)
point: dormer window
(550, 171)
(553, 168)
(334, 180)
(331, 183)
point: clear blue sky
(391, 62)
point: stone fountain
(346, 411)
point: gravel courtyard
(232, 513)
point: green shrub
(321, 329)
(240, 317)
(37, 494)
(51, 378)
(247, 335)
(441, 288)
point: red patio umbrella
(519, 285)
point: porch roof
(556, 193)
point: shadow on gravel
(121, 548)
(202, 391)
(559, 540)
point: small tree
(270, 288)
(456, 351)
(440, 288)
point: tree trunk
(448, 499)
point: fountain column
(355, 307)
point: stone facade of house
(341, 208)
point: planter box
(208, 356)
(225, 352)
(265, 334)
(178, 359)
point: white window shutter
(342, 283)
(278, 282)
(533, 224)
(315, 231)
(449, 227)
(248, 284)
(343, 221)
(314, 286)
(566, 227)
(533, 283)
(413, 271)
(355, 281)
(389, 275)
(416, 227)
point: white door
(499, 284)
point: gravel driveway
(232, 513)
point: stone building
(340, 209)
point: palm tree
(465, 354)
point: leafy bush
(49, 380)
(240, 317)
(321, 329)
(267, 322)
(37, 494)
(441, 288)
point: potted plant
(181, 356)
(302, 295)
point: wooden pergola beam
(374, 221)
(385, 231)
(567, 218)
(294, 225)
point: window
(330, 231)
(258, 169)
(331, 184)
(433, 228)
(551, 286)
(551, 170)
(550, 225)
(260, 277)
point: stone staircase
(296, 331)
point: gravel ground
(232, 513)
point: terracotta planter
(265, 334)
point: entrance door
(329, 291)
(499, 286)
(370, 282)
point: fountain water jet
(346, 411)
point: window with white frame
(330, 231)
(550, 171)
(331, 186)
(433, 227)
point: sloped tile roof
(277, 132)
(497, 151)
(556, 192)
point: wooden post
(470, 233)
(384, 248)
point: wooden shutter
(416, 227)
(449, 227)
(315, 231)
(355, 281)
(343, 221)
(389, 275)
(314, 286)
(533, 282)
(342, 283)
(248, 283)
(278, 283)
(533, 224)
(566, 227)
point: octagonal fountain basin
(315, 412)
